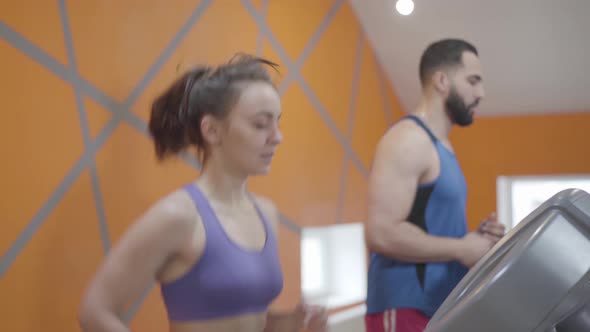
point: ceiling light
(404, 7)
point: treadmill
(536, 279)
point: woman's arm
(134, 263)
(282, 322)
(275, 321)
(312, 317)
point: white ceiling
(535, 53)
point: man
(417, 228)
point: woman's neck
(223, 186)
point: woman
(211, 244)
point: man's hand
(492, 229)
(474, 245)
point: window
(313, 278)
(518, 196)
(333, 264)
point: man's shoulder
(405, 137)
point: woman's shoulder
(268, 209)
(175, 209)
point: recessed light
(404, 7)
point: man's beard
(459, 113)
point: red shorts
(398, 320)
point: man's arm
(401, 158)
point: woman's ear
(211, 130)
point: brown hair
(175, 119)
(444, 53)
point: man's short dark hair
(444, 53)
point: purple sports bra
(227, 280)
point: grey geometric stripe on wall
(294, 70)
(121, 112)
(358, 60)
(86, 137)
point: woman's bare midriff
(243, 323)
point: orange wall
(523, 145)
(76, 172)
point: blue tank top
(439, 210)
(227, 280)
